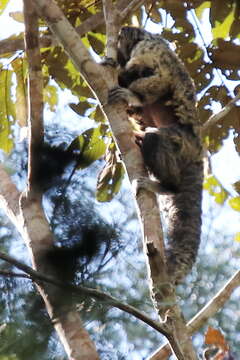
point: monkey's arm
(145, 90)
(150, 88)
(122, 94)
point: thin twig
(133, 6)
(13, 274)
(112, 20)
(35, 89)
(216, 117)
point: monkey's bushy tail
(184, 222)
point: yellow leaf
(199, 10)
(235, 203)
(3, 4)
(221, 30)
(237, 237)
(17, 16)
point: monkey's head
(127, 39)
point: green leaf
(110, 181)
(97, 115)
(215, 189)
(199, 10)
(81, 107)
(20, 69)
(111, 176)
(97, 42)
(235, 203)
(17, 16)
(221, 30)
(50, 96)
(3, 5)
(91, 144)
(7, 111)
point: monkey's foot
(118, 94)
(149, 185)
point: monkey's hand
(139, 135)
(118, 94)
(108, 61)
(149, 185)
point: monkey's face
(127, 39)
(124, 48)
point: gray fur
(161, 98)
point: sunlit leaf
(200, 9)
(20, 69)
(3, 5)
(97, 42)
(235, 203)
(91, 144)
(215, 189)
(50, 96)
(237, 237)
(109, 182)
(111, 176)
(97, 115)
(221, 30)
(17, 16)
(7, 111)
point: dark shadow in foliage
(84, 241)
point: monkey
(160, 99)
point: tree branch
(68, 322)
(35, 90)
(207, 312)
(112, 20)
(216, 117)
(130, 8)
(9, 196)
(95, 294)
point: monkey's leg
(122, 94)
(161, 156)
